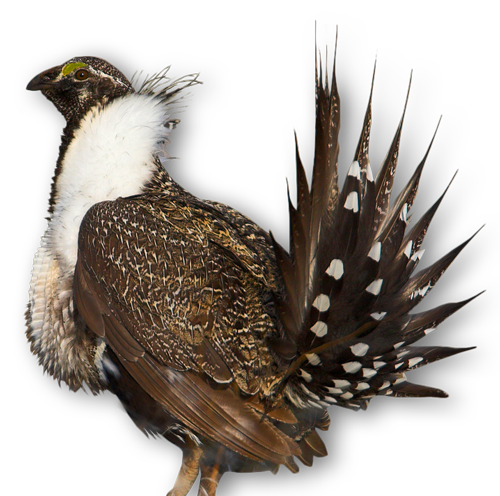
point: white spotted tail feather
(349, 281)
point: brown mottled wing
(189, 291)
(252, 234)
(159, 283)
(217, 414)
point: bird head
(79, 84)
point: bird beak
(45, 80)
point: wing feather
(218, 414)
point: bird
(210, 333)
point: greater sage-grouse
(209, 332)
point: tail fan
(349, 279)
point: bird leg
(188, 472)
(210, 477)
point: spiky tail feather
(349, 281)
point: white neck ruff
(112, 155)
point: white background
(265, 115)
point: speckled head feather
(79, 84)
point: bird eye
(81, 75)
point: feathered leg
(210, 477)
(188, 472)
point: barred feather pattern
(215, 326)
(350, 280)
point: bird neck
(112, 152)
